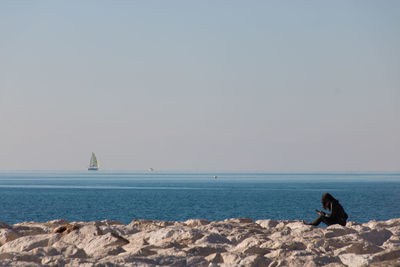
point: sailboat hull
(93, 169)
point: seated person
(337, 214)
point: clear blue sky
(200, 85)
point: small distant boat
(215, 177)
(94, 163)
(150, 169)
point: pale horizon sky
(200, 86)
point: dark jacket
(337, 214)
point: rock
(146, 251)
(215, 258)
(230, 259)
(74, 252)
(19, 257)
(213, 238)
(354, 260)
(359, 248)
(205, 251)
(108, 223)
(107, 244)
(25, 229)
(255, 261)
(81, 235)
(196, 222)
(51, 225)
(267, 223)
(293, 245)
(337, 230)
(7, 235)
(251, 246)
(232, 242)
(149, 224)
(193, 261)
(65, 229)
(376, 237)
(389, 263)
(121, 230)
(48, 251)
(25, 243)
(239, 220)
(386, 255)
(4, 225)
(166, 235)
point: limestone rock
(213, 238)
(215, 258)
(231, 259)
(239, 220)
(255, 261)
(25, 243)
(166, 235)
(359, 248)
(196, 222)
(232, 242)
(386, 255)
(205, 251)
(376, 237)
(7, 235)
(267, 223)
(337, 230)
(354, 260)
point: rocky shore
(232, 242)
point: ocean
(124, 196)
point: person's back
(338, 215)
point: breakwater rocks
(232, 242)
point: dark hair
(326, 200)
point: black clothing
(337, 215)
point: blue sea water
(124, 196)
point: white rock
(231, 258)
(354, 260)
(103, 245)
(267, 223)
(251, 246)
(386, 255)
(377, 237)
(19, 257)
(173, 233)
(359, 248)
(255, 261)
(337, 230)
(233, 242)
(215, 258)
(213, 238)
(25, 243)
(7, 235)
(196, 222)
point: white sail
(94, 163)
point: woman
(337, 214)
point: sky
(200, 85)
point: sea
(124, 196)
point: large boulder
(376, 236)
(25, 243)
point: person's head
(326, 200)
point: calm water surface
(124, 196)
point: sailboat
(94, 163)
